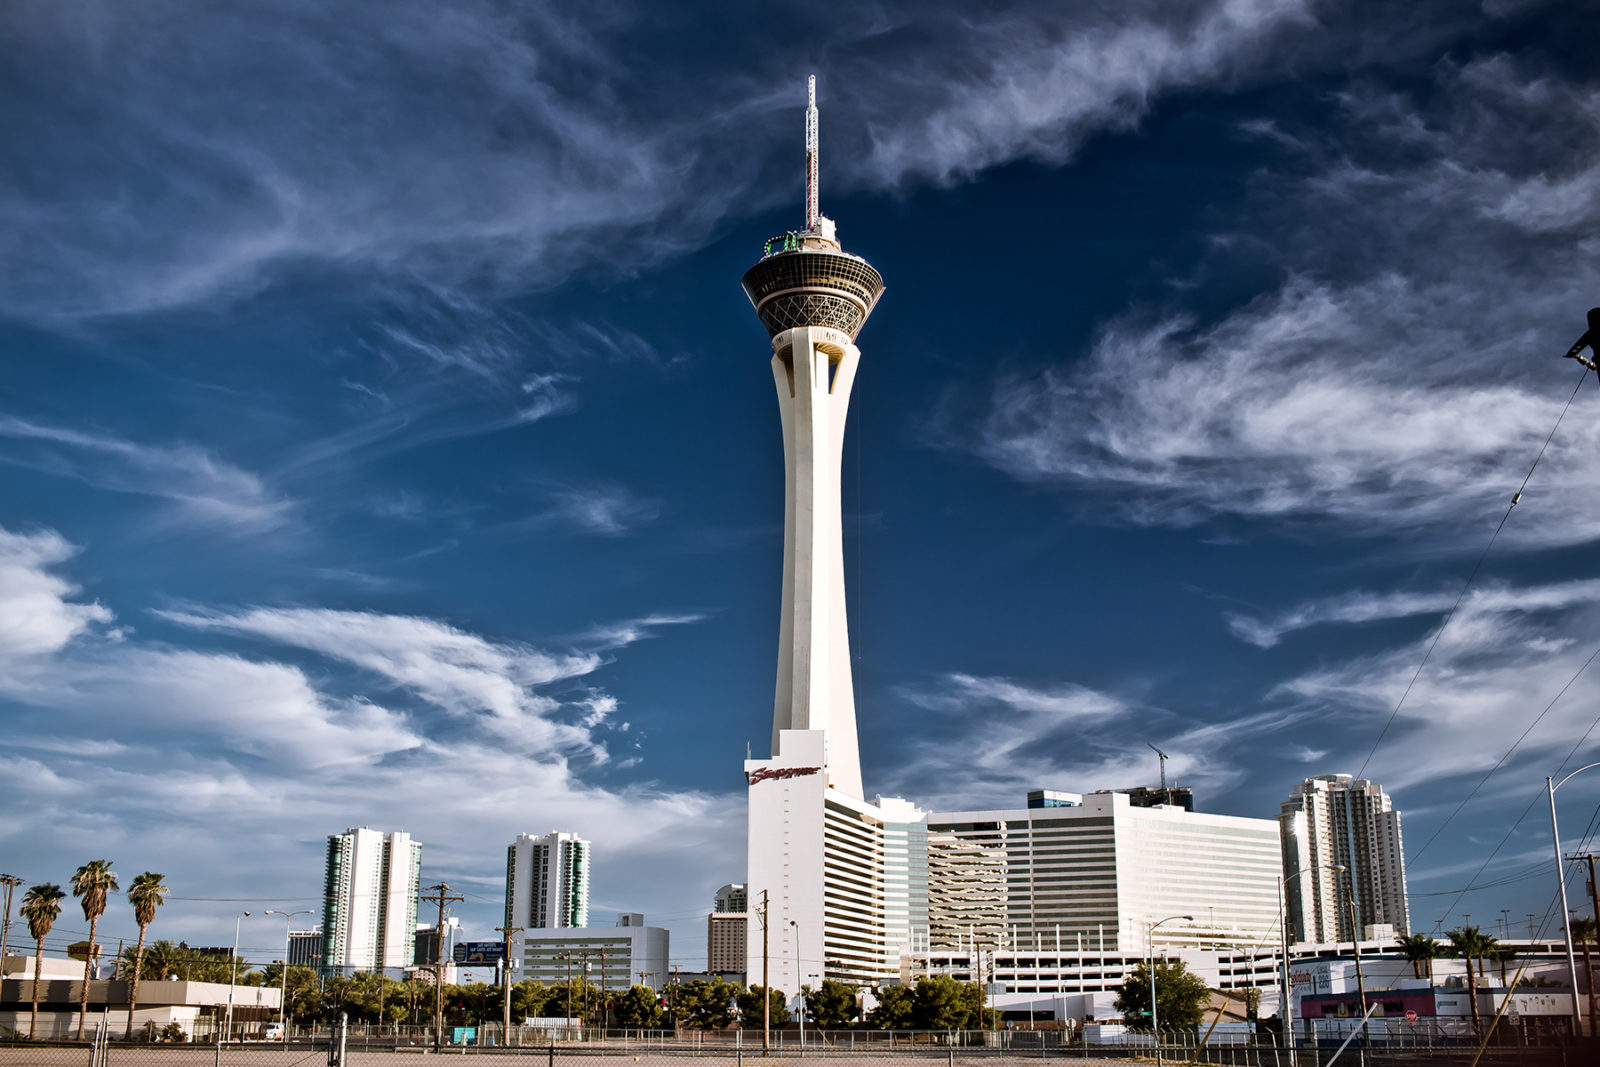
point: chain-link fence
(373, 1046)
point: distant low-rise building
(612, 957)
(197, 1007)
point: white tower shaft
(814, 368)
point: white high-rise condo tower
(828, 870)
(1334, 820)
(369, 905)
(813, 297)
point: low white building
(198, 1007)
(611, 957)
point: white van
(272, 1032)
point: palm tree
(92, 884)
(145, 895)
(1502, 955)
(1419, 949)
(1471, 943)
(1583, 932)
(41, 906)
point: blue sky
(384, 438)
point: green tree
(1469, 942)
(831, 1005)
(639, 1008)
(145, 894)
(41, 906)
(895, 1009)
(92, 884)
(301, 989)
(1181, 997)
(705, 1005)
(940, 1002)
(750, 1006)
(530, 1000)
(1419, 950)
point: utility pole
(1588, 969)
(10, 881)
(507, 932)
(1361, 984)
(766, 992)
(441, 897)
(604, 1005)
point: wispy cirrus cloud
(630, 631)
(990, 740)
(1036, 83)
(203, 489)
(1362, 607)
(1374, 388)
(606, 509)
(474, 148)
(1507, 654)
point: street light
(1285, 1011)
(800, 979)
(233, 974)
(1150, 943)
(283, 994)
(1561, 880)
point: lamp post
(233, 974)
(1561, 881)
(1150, 943)
(283, 993)
(795, 923)
(1285, 1010)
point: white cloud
(608, 510)
(1505, 656)
(965, 692)
(1375, 387)
(457, 148)
(994, 739)
(205, 490)
(138, 751)
(1360, 607)
(459, 672)
(621, 634)
(37, 614)
(1036, 85)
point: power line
(1515, 497)
(1507, 755)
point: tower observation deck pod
(804, 278)
(813, 298)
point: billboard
(483, 952)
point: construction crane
(1164, 758)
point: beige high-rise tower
(814, 297)
(828, 870)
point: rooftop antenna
(811, 153)
(1164, 758)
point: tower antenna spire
(811, 153)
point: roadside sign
(484, 952)
(1411, 1015)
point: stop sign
(1411, 1016)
